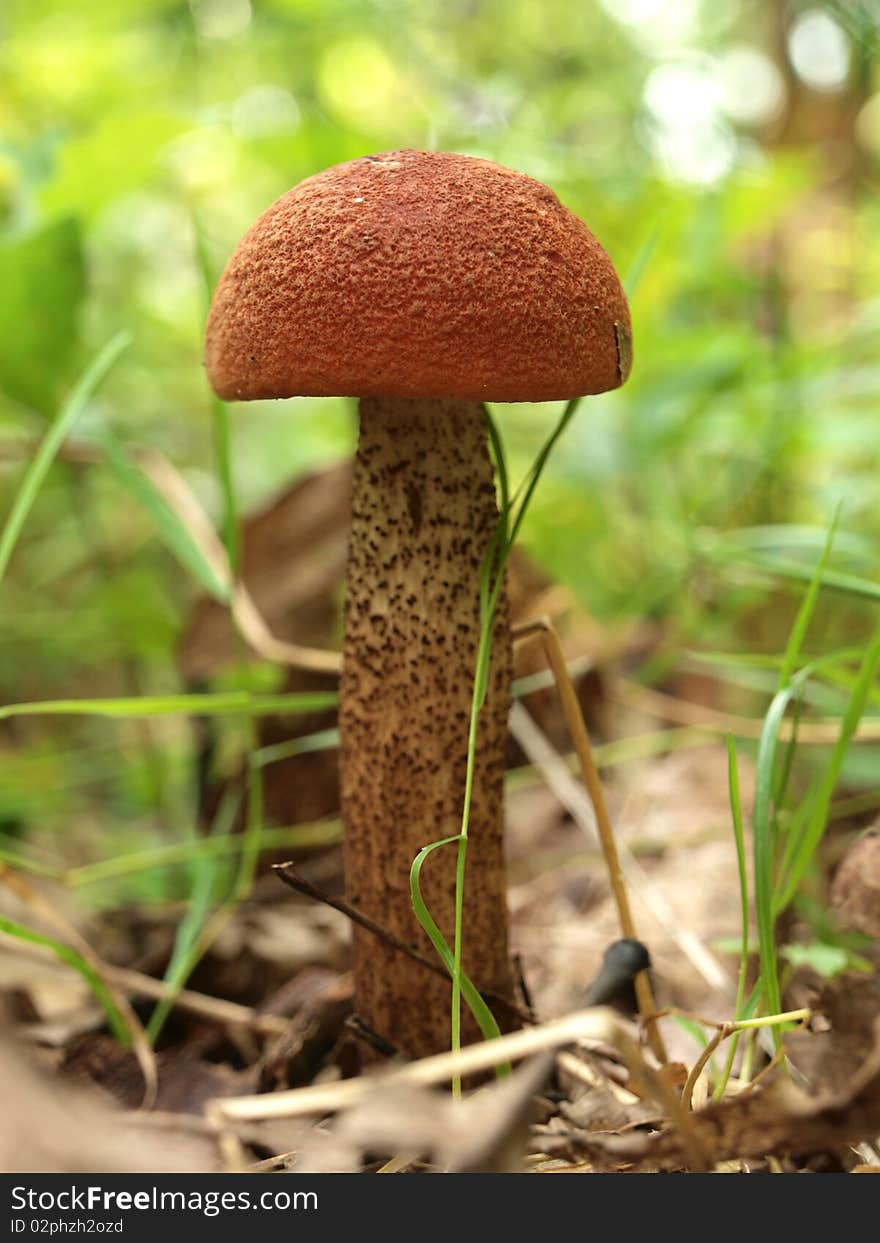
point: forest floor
(580, 1105)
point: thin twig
(247, 617)
(599, 1024)
(288, 873)
(229, 1013)
(574, 799)
(700, 1064)
(359, 1029)
(543, 629)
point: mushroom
(424, 284)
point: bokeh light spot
(819, 51)
(752, 89)
(356, 80)
(221, 19)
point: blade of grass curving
(73, 959)
(491, 586)
(481, 681)
(52, 441)
(169, 526)
(478, 1007)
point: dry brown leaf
(485, 1133)
(313, 1031)
(779, 1119)
(52, 1127)
(186, 1080)
(855, 892)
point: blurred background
(725, 154)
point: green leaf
(828, 960)
(115, 156)
(42, 283)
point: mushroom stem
(423, 512)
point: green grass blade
(639, 264)
(185, 954)
(223, 456)
(762, 845)
(75, 960)
(250, 852)
(739, 837)
(221, 704)
(219, 415)
(490, 589)
(764, 830)
(274, 753)
(832, 580)
(693, 1029)
(819, 813)
(767, 782)
(794, 840)
(540, 462)
(807, 608)
(21, 863)
(180, 853)
(51, 443)
(170, 528)
(478, 1007)
(499, 459)
(783, 775)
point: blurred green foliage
(139, 138)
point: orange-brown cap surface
(418, 274)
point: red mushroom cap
(418, 274)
